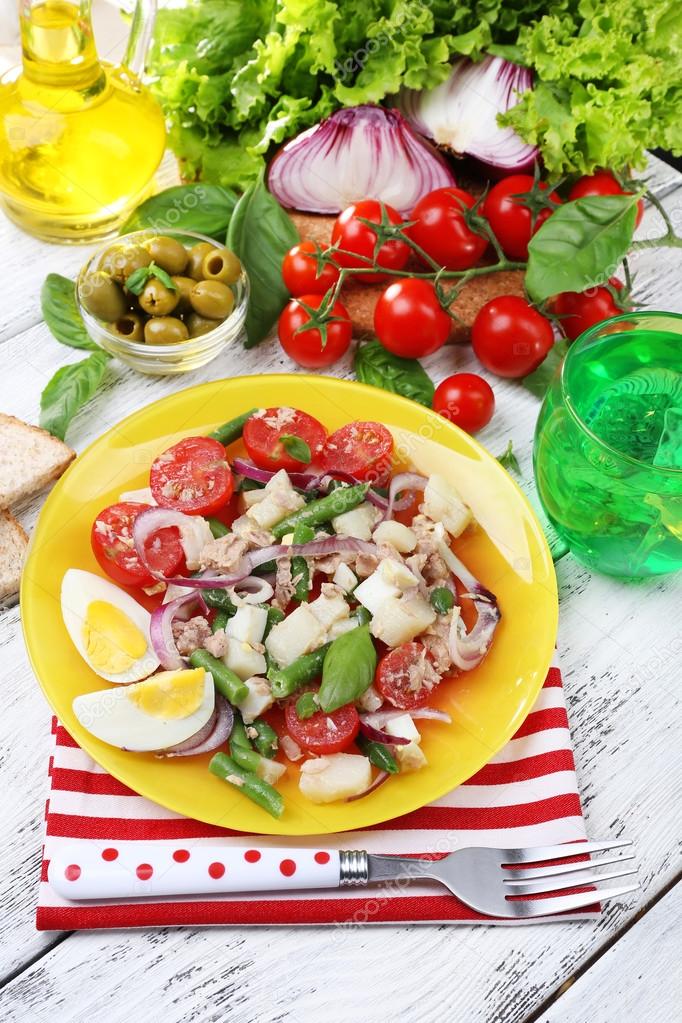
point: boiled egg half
(159, 712)
(108, 627)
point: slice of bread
(13, 545)
(30, 458)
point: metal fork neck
(359, 868)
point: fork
(491, 881)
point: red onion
(461, 113)
(222, 722)
(467, 649)
(363, 152)
(376, 735)
(254, 589)
(161, 629)
(194, 533)
(379, 780)
(380, 718)
(182, 748)
(403, 481)
(252, 472)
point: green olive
(168, 253)
(221, 265)
(196, 258)
(212, 299)
(199, 325)
(128, 326)
(165, 330)
(184, 285)
(158, 300)
(121, 260)
(102, 296)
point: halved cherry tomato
(394, 675)
(112, 544)
(578, 311)
(262, 434)
(510, 338)
(409, 320)
(602, 182)
(510, 218)
(363, 449)
(299, 271)
(323, 733)
(308, 347)
(357, 239)
(442, 231)
(466, 399)
(193, 476)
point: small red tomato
(299, 271)
(602, 183)
(323, 733)
(442, 231)
(309, 347)
(395, 673)
(355, 239)
(467, 400)
(510, 218)
(409, 320)
(510, 338)
(263, 434)
(193, 476)
(578, 311)
(364, 449)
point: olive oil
(80, 139)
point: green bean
(220, 621)
(247, 484)
(261, 792)
(233, 429)
(442, 599)
(307, 705)
(267, 568)
(217, 528)
(267, 740)
(362, 614)
(220, 600)
(322, 510)
(225, 680)
(300, 573)
(246, 758)
(285, 681)
(238, 736)
(275, 616)
(378, 754)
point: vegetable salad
(307, 604)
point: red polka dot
(252, 856)
(288, 867)
(144, 871)
(109, 854)
(181, 855)
(216, 870)
(72, 872)
(322, 857)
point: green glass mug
(608, 446)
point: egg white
(79, 589)
(110, 715)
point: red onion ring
(379, 780)
(194, 533)
(253, 472)
(467, 649)
(161, 629)
(254, 589)
(181, 748)
(223, 720)
(412, 481)
(380, 718)
(376, 735)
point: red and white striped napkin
(526, 796)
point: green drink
(608, 446)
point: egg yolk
(171, 694)
(112, 641)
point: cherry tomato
(510, 338)
(363, 449)
(307, 347)
(323, 733)
(299, 271)
(262, 434)
(193, 476)
(467, 400)
(602, 183)
(356, 238)
(409, 320)
(511, 220)
(579, 311)
(112, 544)
(442, 231)
(394, 676)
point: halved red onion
(461, 113)
(379, 780)
(194, 534)
(380, 718)
(223, 720)
(409, 481)
(161, 629)
(376, 735)
(363, 152)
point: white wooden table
(621, 648)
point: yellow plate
(507, 552)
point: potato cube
(243, 660)
(280, 500)
(404, 728)
(358, 522)
(329, 609)
(259, 700)
(345, 577)
(443, 504)
(397, 535)
(400, 619)
(337, 776)
(298, 634)
(248, 624)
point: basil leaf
(307, 705)
(162, 275)
(378, 754)
(199, 207)
(580, 245)
(539, 380)
(296, 447)
(68, 390)
(348, 669)
(508, 459)
(60, 312)
(376, 366)
(138, 278)
(261, 234)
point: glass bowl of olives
(163, 303)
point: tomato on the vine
(359, 240)
(299, 271)
(466, 399)
(578, 311)
(441, 230)
(510, 338)
(602, 182)
(409, 319)
(513, 219)
(315, 347)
